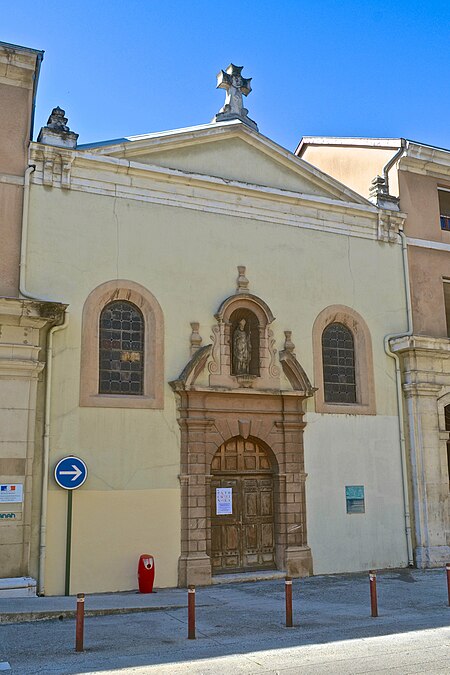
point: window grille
(338, 354)
(121, 357)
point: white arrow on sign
(75, 473)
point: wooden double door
(242, 509)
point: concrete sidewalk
(17, 610)
(241, 628)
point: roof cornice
(177, 138)
(352, 142)
(116, 165)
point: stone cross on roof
(235, 85)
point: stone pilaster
(426, 381)
(20, 366)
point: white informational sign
(224, 501)
(11, 493)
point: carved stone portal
(252, 413)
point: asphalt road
(240, 629)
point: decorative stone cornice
(33, 313)
(431, 345)
(192, 370)
(56, 166)
(124, 179)
(19, 66)
(426, 160)
(421, 389)
(389, 224)
(295, 373)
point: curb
(47, 615)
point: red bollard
(447, 567)
(288, 593)
(373, 593)
(79, 630)
(191, 612)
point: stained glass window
(338, 354)
(121, 349)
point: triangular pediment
(228, 151)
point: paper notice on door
(224, 501)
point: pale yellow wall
(111, 529)
(343, 542)
(187, 259)
(352, 166)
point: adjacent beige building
(417, 178)
(216, 356)
(23, 326)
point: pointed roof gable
(228, 150)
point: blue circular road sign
(70, 473)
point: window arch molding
(153, 381)
(365, 389)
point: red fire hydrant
(146, 573)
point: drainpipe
(398, 381)
(46, 452)
(23, 291)
(388, 166)
(24, 238)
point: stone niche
(230, 392)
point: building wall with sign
(181, 234)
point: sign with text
(224, 501)
(354, 497)
(11, 515)
(11, 493)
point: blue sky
(343, 68)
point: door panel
(243, 539)
(225, 529)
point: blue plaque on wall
(354, 497)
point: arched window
(343, 365)
(338, 354)
(121, 345)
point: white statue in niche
(242, 349)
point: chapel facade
(213, 348)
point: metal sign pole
(70, 474)
(68, 540)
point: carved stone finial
(288, 344)
(57, 120)
(242, 281)
(235, 85)
(195, 339)
(57, 133)
(379, 195)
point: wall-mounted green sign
(354, 497)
